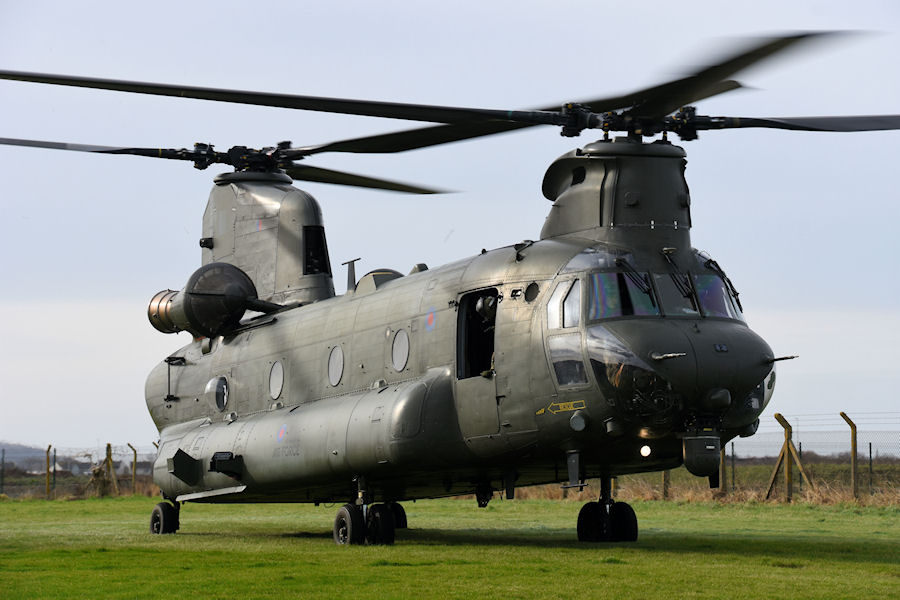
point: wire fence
(748, 470)
(60, 472)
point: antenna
(351, 274)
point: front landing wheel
(593, 523)
(164, 518)
(623, 523)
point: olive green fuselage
(487, 372)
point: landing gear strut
(607, 520)
(376, 528)
(360, 522)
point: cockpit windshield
(613, 294)
(617, 295)
(677, 300)
(715, 299)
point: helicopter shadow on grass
(779, 550)
(783, 550)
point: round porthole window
(276, 379)
(217, 389)
(335, 365)
(400, 350)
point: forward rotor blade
(469, 122)
(423, 137)
(369, 108)
(664, 99)
(850, 123)
(415, 138)
(320, 175)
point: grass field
(512, 549)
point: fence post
(787, 456)
(3, 469)
(723, 485)
(665, 485)
(133, 470)
(853, 457)
(871, 490)
(788, 465)
(110, 470)
(733, 487)
(54, 471)
(48, 472)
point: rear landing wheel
(380, 525)
(349, 527)
(399, 515)
(164, 518)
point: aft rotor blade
(664, 99)
(170, 153)
(320, 175)
(848, 123)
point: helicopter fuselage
(555, 360)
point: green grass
(512, 549)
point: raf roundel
(430, 320)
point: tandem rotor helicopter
(608, 346)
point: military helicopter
(608, 346)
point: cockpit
(619, 290)
(662, 344)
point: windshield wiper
(682, 280)
(711, 264)
(642, 282)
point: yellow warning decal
(558, 407)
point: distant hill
(17, 452)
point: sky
(804, 223)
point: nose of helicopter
(710, 363)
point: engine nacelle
(211, 304)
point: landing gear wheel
(399, 515)
(593, 523)
(380, 525)
(164, 518)
(623, 525)
(349, 527)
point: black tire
(164, 519)
(349, 527)
(623, 525)
(399, 515)
(380, 526)
(593, 523)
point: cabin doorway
(476, 388)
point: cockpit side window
(616, 295)
(567, 359)
(554, 306)
(572, 306)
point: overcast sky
(804, 223)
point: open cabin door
(476, 388)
